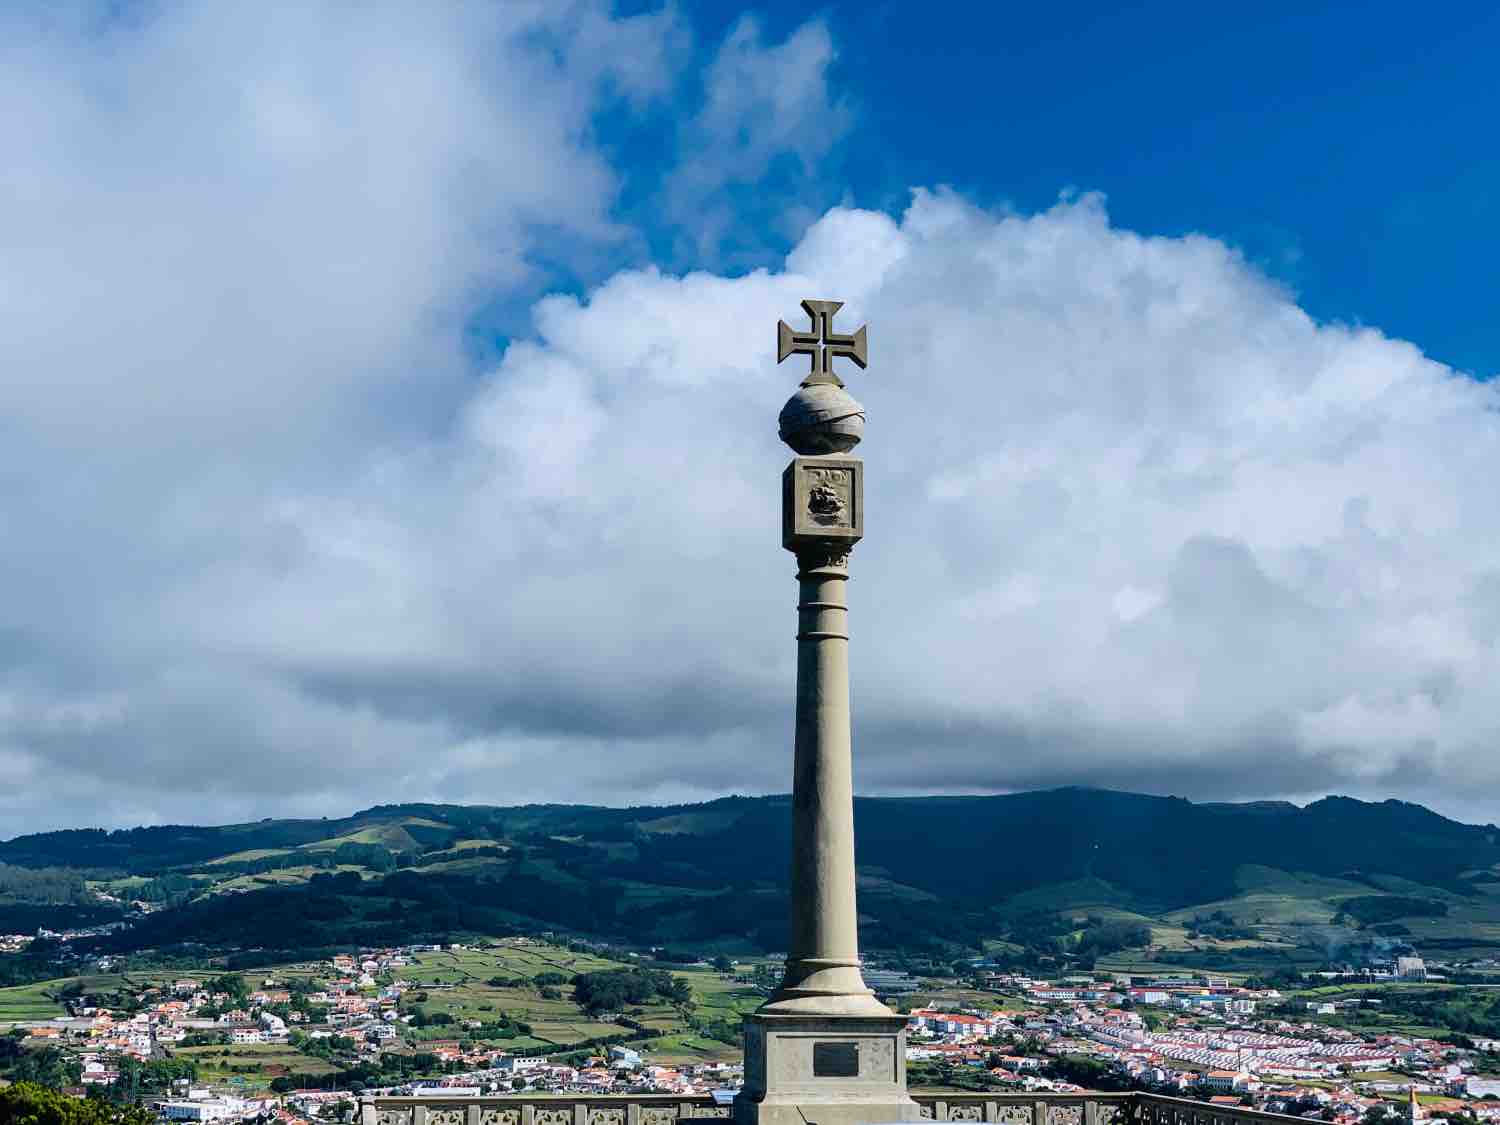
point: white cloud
(272, 548)
(768, 120)
(1133, 518)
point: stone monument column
(823, 956)
(823, 1050)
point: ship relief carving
(825, 505)
(1065, 1115)
(828, 497)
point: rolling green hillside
(1070, 873)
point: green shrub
(26, 1103)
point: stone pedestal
(824, 1070)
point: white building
(518, 1064)
(624, 1057)
(212, 1109)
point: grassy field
(254, 1063)
(1285, 913)
(31, 1001)
(718, 997)
(457, 983)
(1144, 963)
(687, 1047)
(246, 856)
(1404, 1007)
(282, 877)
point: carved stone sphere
(822, 418)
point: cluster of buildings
(1407, 968)
(1198, 1037)
(305, 1107)
(169, 1015)
(357, 998)
(621, 1070)
(1202, 1035)
(104, 1038)
(1207, 993)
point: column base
(824, 986)
(807, 1069)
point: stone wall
(665, 1109)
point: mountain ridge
(414, 807)
(1198, 876)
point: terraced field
(253, 1065)
(457, 983)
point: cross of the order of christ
(822, 343)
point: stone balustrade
(667, 1109)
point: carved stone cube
(822, 502)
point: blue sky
(389, 400)
(1345, 149)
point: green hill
(1065, 872)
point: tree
(231, 983)
(47, 1066)
(154, 1076)
(26, 1103)
(615, 989)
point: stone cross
(822, 343)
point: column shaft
(823, 957)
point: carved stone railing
(540, 1109)
(1027, 1109)
(1153, 1109)
(667, 1109)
